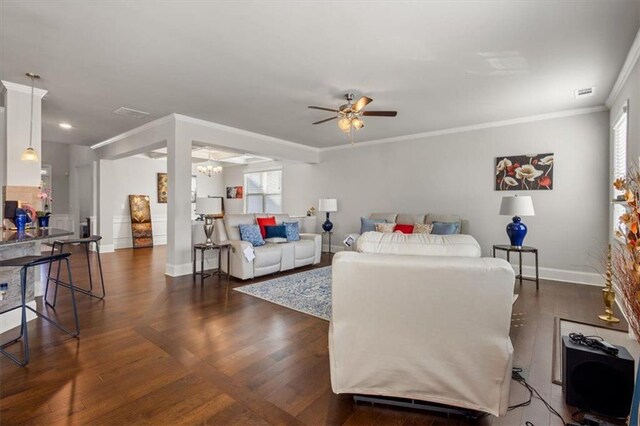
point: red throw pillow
(265, 221)
(405, 229)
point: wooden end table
(524, 249)
(203, 248)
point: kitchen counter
(8, 236)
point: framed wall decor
(234, 192)
(141, 229)
(524, 172)
(163, 187)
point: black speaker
(595, 381)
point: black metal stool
(25, 263)
(86, 242)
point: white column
(17, 102)
(105, 204)
(179, 204)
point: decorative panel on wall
(524, 172)
(163, 187)
(141, 230)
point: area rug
(308, 292)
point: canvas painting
(162, 187)
(234, 192)
(141, 229)
(524, 172)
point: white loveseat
(269, 258)
(422, 324)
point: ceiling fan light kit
(349, 115)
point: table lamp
(516, 206)
(209, 208)
(327, 205)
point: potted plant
(43, 215)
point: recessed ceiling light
(65, 125)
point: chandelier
(209, 169)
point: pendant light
(30, 154)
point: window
(263, 192)
(619, 159)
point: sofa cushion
(292, 231)
(405, 229)
(267, 255)
(251, 234)
(422, 228)
(410, 219)
(275, 240)
(231, 222)
(445, 228)
(389, 217)
(369, 225)
(304, 249)
(385, 227)
(275, 231)
(280, 217)
(418, 244)
(263, 222)
(444, 218)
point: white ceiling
(258, 65)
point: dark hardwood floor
(159, 350)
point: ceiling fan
(349, 115)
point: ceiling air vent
(131, 112)
(582, 93)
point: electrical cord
(516, 376)
(593, 342)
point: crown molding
(462, 129)
(235, 130)
(625, 72)
(158, 122)
(7, 85)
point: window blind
(619, 161)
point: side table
(328, 234)
(203, 248)
(520, 250)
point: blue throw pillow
(445, 228)
(369, 225)
(292, 230)
(251, 234)
(277, 231)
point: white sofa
(430, 327)
(269, 258)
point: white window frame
(619, 148)
(263, 194)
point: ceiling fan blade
(325, 120)
(380, 113)
(361, 103)
(323, 109)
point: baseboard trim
(178, 270)
(107, 248)
(563, 275)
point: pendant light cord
(31, 125)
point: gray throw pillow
(369, 225)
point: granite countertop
(8, 237)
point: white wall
(57, 156)
(455, 173)
(138, 175)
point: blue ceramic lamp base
(516, 231)
(327, 225)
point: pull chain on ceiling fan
(349, 115)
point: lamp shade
(517, 206)
(206, 205)
(328, 205)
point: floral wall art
(524, 172)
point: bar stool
(25, 263)
(86, 242)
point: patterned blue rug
(308, 292)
